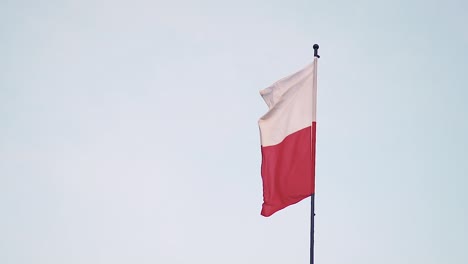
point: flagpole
(312, 197)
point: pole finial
(316, 47)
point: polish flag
(287, 133)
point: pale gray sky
(129, 131)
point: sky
(129, 131)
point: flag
(287, 134)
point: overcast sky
(129, 132)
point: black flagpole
(312, 209)
(312, 197)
